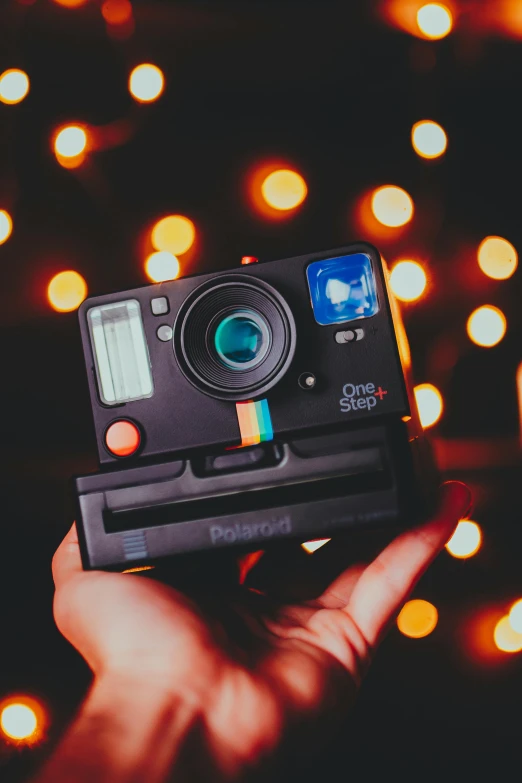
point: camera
(238, 408)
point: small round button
(164, 333)
(122, 438)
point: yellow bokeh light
(162, 266)
(18, 721)
(486, 326)
(146, 83)
(174, 233)
(466, 539)
(434, 20)
(417, 618)
(6, 226)
(312, 546)
(497, 258)
(284, 189)
(70, 141)
(392, 206)
(506, 638)
(66, 291)
(515, 616)
(14, 86)
(429, 139)
(429, 404)
(408, 280)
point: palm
(257, 668)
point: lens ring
(239, 342)
(195, 328)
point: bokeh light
(70, 141)
(392, 206)
(429, 139)
(506, 638)
(6, 226)
(162, 266)
(116, 12)
(417, 618)
(408, 280)
(515, 616)
(174, 233)
(434, 20)
(146, 83)
(429, 404)
(466, 540)
(284, 189)
(14, 86)
(66, 291)
(486, 326)
(497, 258)
(312, 546)
(71, 3)
(18, 721)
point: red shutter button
(122, 438)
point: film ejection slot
(349, 335)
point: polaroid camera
(270, 401)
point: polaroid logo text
(363, 396)
(246, 531)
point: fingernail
(457, 498)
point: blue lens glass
(342, 289)
(242, 339)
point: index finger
(388, 580)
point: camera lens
(234, 337)
(242, 339)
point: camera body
(241, 407)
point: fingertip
(456, 500)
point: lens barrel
(234, 337)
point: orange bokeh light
(429, 139)
(116, 12)
(71, 3)
(417, 618)
(162, 266)
(174, 233)
(466, 540)
(392, 206)
(23, 719)
(146, 83)
(497, 258)
(14, 86)
(486, 326)
(429, 404)
(408, 280)
(6, 226)
(66, 291)
(435, 20)
(507, 639)
(284, 189)
(70, 144)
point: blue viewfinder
(342, 289)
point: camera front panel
(233, 358)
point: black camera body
(245, 406)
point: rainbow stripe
(255, 423)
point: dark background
(333, 90)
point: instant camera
(238, 408)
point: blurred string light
(70, 145)
(71, 3)
(312, 546)
(435, 20)
(6, 226)
(515, 616)
(162, 266)
(22, 719)
(506, 638)
(486, 326)
(14, 86)
(497, 258)
(466, 540)
(174, 233)
(146, 83)
(408, 280)
(417, 618)
(66, 291)
(392, 206)
(429, 404)
(429, 139)
(284, 189)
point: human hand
(219, 694)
